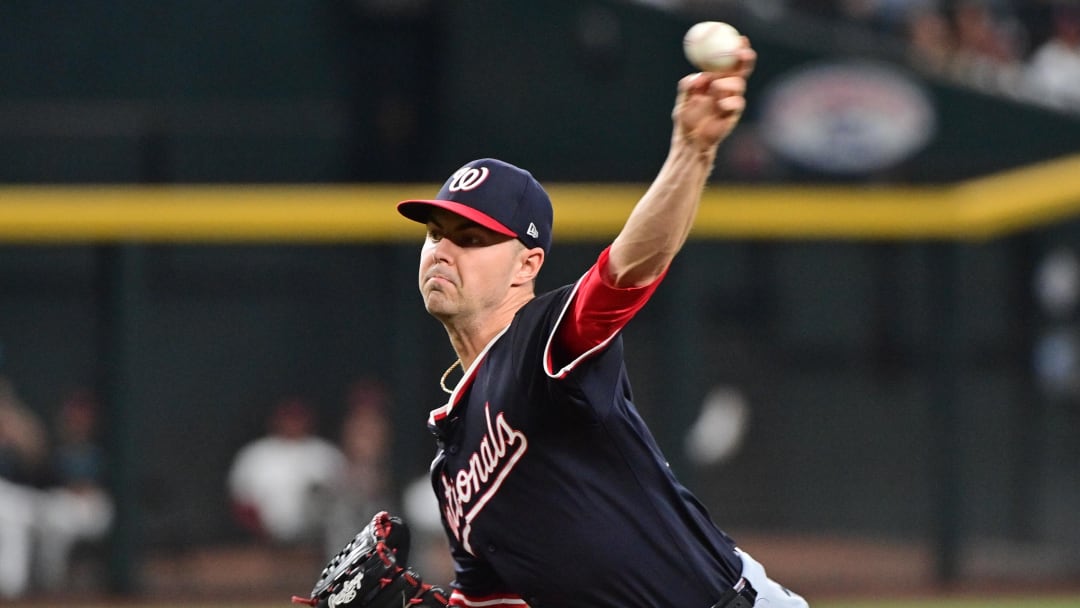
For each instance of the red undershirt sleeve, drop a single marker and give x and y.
(598, 311)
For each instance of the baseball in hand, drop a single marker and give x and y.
(711, 46)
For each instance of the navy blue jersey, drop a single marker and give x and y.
(553, 491)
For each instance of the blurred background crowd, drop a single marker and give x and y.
(53, 494)
(295, 491)
(1027, 48)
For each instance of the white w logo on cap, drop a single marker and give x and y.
(467, 178)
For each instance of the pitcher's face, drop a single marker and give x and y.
(465, 268)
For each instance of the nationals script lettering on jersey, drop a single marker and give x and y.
(472, 487)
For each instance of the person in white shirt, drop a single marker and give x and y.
(1053, 72)
(281, 485)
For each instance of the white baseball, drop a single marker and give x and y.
(711, 45)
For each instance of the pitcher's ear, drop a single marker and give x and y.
(531, 261)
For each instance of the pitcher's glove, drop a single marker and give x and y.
(371, 572)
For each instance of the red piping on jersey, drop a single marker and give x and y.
(457, 598)
(443, 411)
(598, 311)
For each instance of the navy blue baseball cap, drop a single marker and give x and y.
(496, 195)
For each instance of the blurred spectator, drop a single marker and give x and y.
(977, 42)
(77, 508)
(23, 450)
(431, 551)
(930, 40)
(23, 441)
(365, 441)
(983, 37)
(1053, 74)
(281, 484)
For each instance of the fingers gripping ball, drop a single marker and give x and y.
(371, 572)
(712, 46)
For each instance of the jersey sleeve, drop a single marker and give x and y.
(595, 314)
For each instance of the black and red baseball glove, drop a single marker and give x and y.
(372, 572)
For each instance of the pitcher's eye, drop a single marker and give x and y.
(471, 236)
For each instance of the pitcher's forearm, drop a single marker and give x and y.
(661, 221)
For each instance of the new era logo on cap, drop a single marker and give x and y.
(496, 195)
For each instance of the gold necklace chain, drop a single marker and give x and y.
(446, 374)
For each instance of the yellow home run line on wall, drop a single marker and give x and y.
(975, 209)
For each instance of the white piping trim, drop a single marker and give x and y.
(569, 367)
(444, 410)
